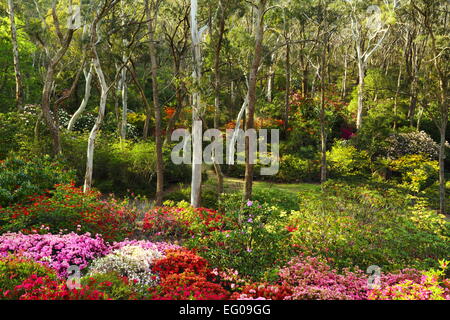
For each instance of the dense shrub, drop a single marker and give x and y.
(432, 285)
(14, 270)
(133, 262)
(148, 245)
(253, 239)
(181, 261)
(187, 286)
(20, 178)
(346, 160)
(417, 172)
(180, 221)
(411, 143)
(311, 279)
(16, 131)
(68, 209)
(46, 288)
(263, 291)
(362, 226)
(113, 285)
(293, 168)
(56, 251)
(124, 165)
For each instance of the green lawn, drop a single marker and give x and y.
(236, 184)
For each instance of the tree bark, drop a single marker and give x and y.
(323, 134)
(156, 105)
(217, 167)
(288, 86)
(50, 120)
(259, 36)
(15, 47)
(95, 129)
(87, 95)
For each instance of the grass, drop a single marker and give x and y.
(235, 184)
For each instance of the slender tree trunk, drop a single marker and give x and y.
(397, 92)
(50, 120)
(217, 167)
(18, 75)
(87, 95)
(344, 78)
(259, 36)
(323, 133)
(288, 86)
(196, 183)
(442, 181)
(123, 123)
(156, 105)
(270, 79)
(359, 115)
(98, 122)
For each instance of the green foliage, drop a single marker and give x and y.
(14, 270)
(253, 240)
(275, 197)
(359, 226)
(20, 178)
(346, 160)
(294, 169)
(121, 166)
(69, 209)
(417, 172)
(113, 285)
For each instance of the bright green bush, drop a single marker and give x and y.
(21, 178)
(417, 172)
(346, 160)
(293, 169)
(362, 226)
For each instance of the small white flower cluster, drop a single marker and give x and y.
(133, 262)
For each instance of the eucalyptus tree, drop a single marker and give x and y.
(369, 28)
(175, 29)
(197, 107)
(55, 50)
(152, 8)
(17, 70)
(95, 39)
(260, 7)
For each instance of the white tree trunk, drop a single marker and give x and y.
(196, 182)
(87, 95)
(98, 122)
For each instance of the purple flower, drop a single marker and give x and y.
(249, 203)
(250, 220)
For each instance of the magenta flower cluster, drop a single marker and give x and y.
(57, 251)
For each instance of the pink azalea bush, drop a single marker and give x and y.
(429, 285)
(55, 250)
(311, 279)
